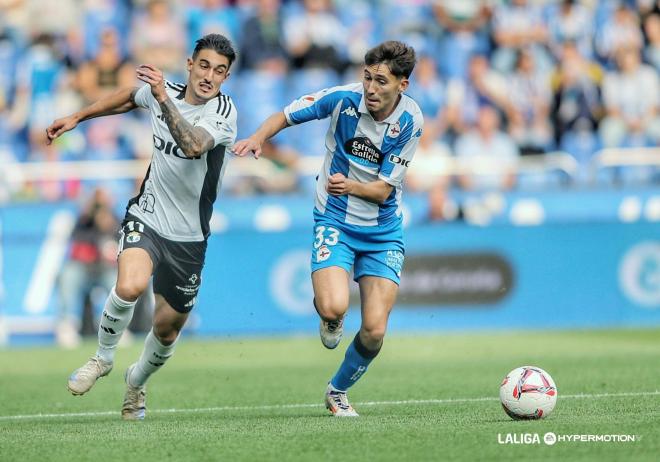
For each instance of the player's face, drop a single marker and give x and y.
(207, 72)
(382, 90)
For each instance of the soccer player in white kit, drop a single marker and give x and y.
(373, 134)
(166, 227)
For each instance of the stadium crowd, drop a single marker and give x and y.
(496, 79)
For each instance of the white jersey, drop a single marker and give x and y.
(177, 194)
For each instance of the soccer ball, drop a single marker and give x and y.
(528, 393)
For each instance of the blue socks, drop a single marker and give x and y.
(355, 364)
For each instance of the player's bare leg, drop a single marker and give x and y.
(158, 348)
(331, 302)
(378, 296)
(134, 271)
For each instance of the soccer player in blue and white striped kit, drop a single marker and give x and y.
(374, 131)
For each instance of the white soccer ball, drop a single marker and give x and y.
(528, 393)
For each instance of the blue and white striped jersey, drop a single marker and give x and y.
(362, 149)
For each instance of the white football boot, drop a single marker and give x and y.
(331, 332)
(84, 378)
(337, 402)
(135, 399)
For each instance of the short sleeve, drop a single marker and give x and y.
(396, 163)
(315, 106)
(219, 119)
(143, 96)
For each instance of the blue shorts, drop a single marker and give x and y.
(368, 250)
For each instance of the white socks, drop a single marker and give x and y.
(153, 357)
(116, 316)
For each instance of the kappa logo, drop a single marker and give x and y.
(350, 112)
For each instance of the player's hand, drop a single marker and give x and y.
(154, 77)
(246, 146)
(338, 185)
(60, 126)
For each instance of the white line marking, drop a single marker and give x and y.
(267, 407)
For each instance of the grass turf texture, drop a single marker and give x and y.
(228, 401)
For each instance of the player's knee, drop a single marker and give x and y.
(166, 334)
(129, 290)
(330, 308)
(373, 335)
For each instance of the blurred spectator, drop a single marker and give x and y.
(107, 71)
(276, 175)
(429, 91)
(363, 26)
(487, 156)
(652, 48)
(530, 95)
(517, 24)
(576, 106)
(431, 166)
(483, 86)
(158, 38)
(39, 74)
(55, 18)
(91, 266)
(262, 44)
(430, 172)
(620, 31)
(630, 95)
(315, 38)
(9, 55)
(101, 14)
(212, 16)
(464, 34)
(571, 21)
(410, 21)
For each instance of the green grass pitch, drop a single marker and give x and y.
(426, 397)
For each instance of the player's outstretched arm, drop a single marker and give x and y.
(374, 191)
(271, 127)
(118, 102)
(193, 141)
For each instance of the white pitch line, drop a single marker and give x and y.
(316, 405)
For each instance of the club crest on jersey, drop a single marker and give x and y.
(363, 150)
(133, 237)
(322, 254)
(193, 279)
(395, 130)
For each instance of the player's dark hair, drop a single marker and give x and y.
(398, 56)
(218, 43)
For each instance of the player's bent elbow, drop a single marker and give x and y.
(193, 152)
(384, 194)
